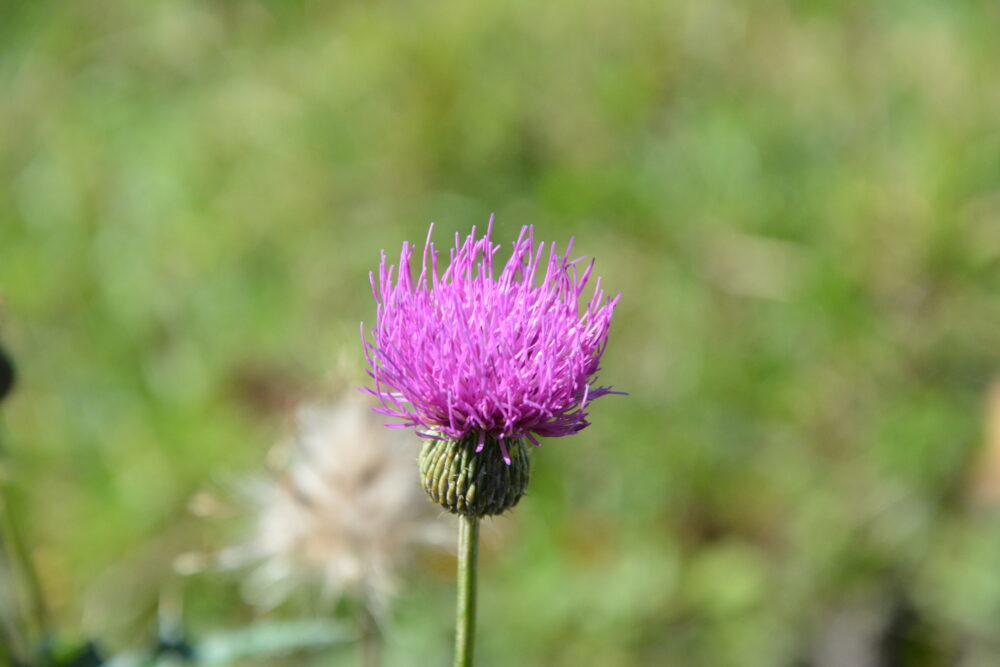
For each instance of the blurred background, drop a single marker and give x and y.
(800, 202)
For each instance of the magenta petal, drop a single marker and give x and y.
(509, 352)
(503, 450)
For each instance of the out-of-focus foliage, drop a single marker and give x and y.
(799, 200)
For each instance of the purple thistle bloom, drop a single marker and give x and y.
(467, 353)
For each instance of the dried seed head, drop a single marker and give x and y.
(339, 514)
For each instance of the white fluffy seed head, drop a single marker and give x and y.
(344, 510)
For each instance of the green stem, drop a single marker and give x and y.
(465, 618)
(14, 649)
(369, 639)
(25, 590)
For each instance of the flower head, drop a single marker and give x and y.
(469, 353)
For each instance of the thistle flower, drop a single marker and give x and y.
(467, 352)
(477, 363)
(474, 358)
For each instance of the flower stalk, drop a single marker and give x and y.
(465, 617)
(369, 640)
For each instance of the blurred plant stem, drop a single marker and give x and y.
(23, 617)
(369, 639)
(465, 620)
(13, 646)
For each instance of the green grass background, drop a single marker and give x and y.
(800, 202)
